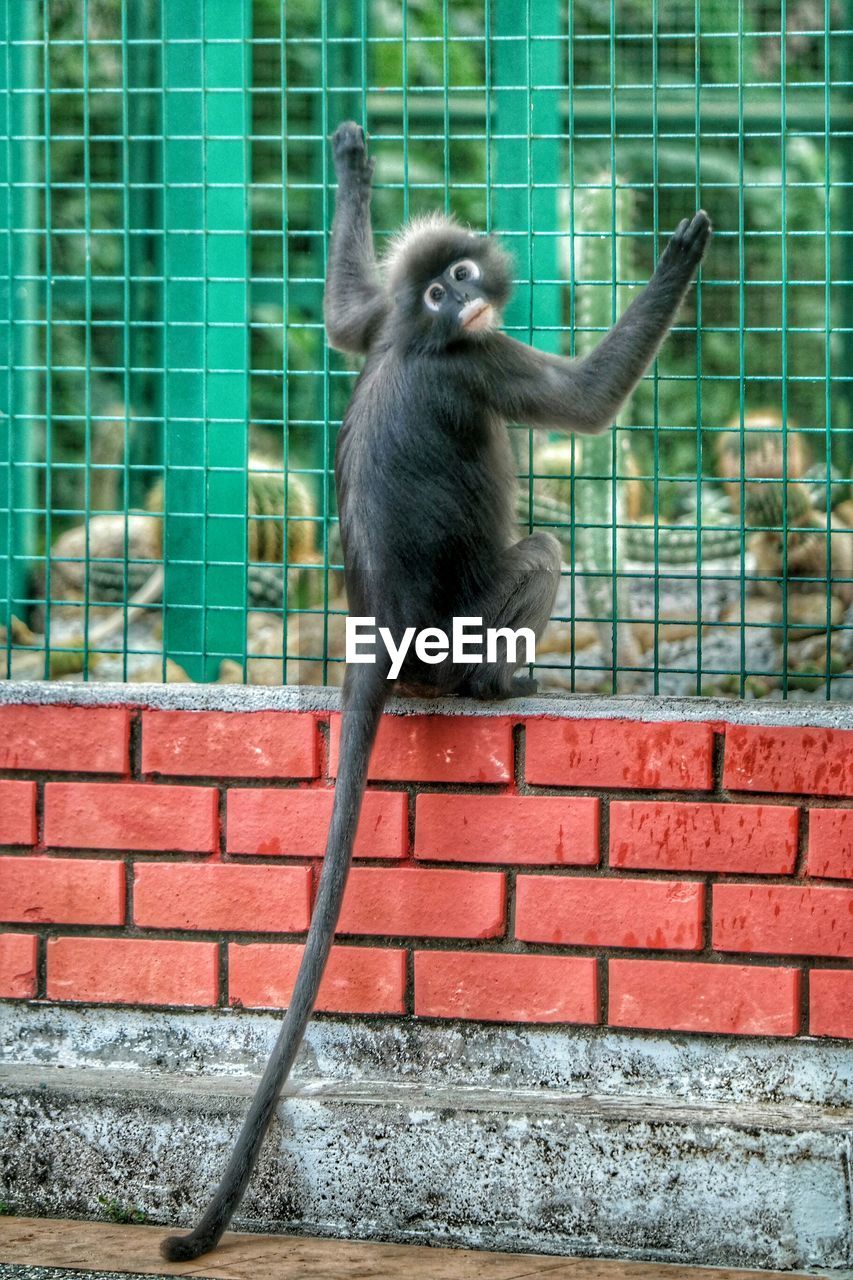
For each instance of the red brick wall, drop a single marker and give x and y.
(683, 877)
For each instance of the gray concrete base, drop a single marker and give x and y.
(702, 1150)
(575, 706)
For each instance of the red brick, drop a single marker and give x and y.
(731, 999)
(815, 762)
(505, 988)
(17, 813)
(595, 912)
(422, 903)
(793, 920)
(831, 843)
(756, 838)
(831, 1002)
(517, 829)
(180, 895)
(234, 744)
(18, 953)
(70, 739)
(131, 815)
(619, 753)
(296, 822)
(61, 891)
(437, 749)
(357, 979)
(132, 971)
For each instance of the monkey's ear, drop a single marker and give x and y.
(500, 266)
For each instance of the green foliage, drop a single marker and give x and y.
(115, 1211)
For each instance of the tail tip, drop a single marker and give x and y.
(181, 1248)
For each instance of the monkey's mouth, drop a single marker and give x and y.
(476, 316)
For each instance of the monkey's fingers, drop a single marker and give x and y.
(348, 136)
(698, 232)
(688, 244)
(350, 151)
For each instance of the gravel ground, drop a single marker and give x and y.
(16, 1272)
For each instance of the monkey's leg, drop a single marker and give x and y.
(522, 596)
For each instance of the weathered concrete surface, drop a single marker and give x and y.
(546, 1140)
(213, 697)
(526, 1170)
(577, 1060)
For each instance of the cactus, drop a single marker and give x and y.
(679, 541)
(594, 499)
(110, 578)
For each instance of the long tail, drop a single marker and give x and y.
(362, 711)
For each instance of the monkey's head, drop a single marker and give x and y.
(448, 285)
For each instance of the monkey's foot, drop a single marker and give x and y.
(688, 244)
(523, 687)
(495, 690)
(350, 151)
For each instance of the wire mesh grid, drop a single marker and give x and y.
(166, 492)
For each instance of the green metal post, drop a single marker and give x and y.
(145, 286)
(528, 111)
(19, 307)
(206, 182)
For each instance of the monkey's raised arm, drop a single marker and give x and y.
(354, 303)
(586, 395)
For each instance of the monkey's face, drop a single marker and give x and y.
(449, 285)
(458, 300)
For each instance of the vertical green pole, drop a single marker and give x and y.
(741, 276)
(19, 265)
(827, 306)
(142, 174)
(345, 59)
(527, 97)
(700, 460)
(285, 336)
(525, 74)
(783, 320)
(207, 68)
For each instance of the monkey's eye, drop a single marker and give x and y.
(433, 296)
(465, 270)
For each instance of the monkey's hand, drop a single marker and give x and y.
(352, 163)
(687, 247)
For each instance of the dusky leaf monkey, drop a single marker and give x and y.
(425, 483)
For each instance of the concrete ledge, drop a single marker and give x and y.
(725, 1070)
(533, 1139)
(551, 1172)
(212, 697)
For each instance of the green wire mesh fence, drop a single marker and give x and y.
(170, 406)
